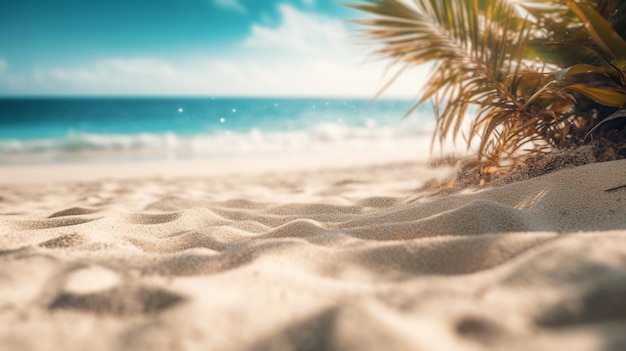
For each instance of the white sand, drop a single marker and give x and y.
(350, 259)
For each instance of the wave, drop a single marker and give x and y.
(320, 137)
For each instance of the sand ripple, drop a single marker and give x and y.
(344, 263)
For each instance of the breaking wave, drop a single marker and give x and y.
(320, 137)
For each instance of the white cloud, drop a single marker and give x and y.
(112, 76)
(306, 55)
(230, 5)
(301, 32)
(317, 53)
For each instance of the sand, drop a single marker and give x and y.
(356, 258)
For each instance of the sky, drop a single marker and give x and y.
(188, 48)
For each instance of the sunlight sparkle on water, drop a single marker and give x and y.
(234, 110)
(180, 109)
(222, 120)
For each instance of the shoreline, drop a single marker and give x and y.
(218, 167)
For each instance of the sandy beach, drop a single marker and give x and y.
(359, 256)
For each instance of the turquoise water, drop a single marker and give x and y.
(35, 130)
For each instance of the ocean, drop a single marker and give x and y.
(58, 130)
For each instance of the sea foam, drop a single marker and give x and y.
(320, 137)
(59, 130)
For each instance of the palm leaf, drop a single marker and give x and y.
(476, 46)
(602, 95)
(600, 30)
(545, 79)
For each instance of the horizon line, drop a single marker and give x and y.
(197, 96)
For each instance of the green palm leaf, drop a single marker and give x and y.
(600, 30)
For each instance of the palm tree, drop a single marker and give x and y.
(534, 76)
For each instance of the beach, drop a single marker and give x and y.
(303, 175)
(353, 254)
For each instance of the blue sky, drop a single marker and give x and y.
(185, 47)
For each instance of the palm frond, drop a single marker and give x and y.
(476, 47)
(535, 74)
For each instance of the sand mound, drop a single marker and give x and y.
(345, 259)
